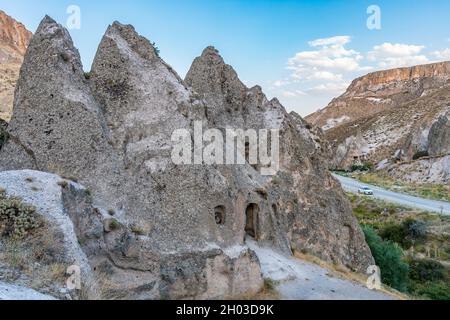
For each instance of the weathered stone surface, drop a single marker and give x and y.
(74, 229)
(57, 125)
(306, 205)
(117, 142)
(439, 136)
(111, 131)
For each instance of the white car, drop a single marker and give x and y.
(366, 191)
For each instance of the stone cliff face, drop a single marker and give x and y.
(13, 35)
(307, 203)
(391, 117)
(14, 39)
(380, 91)
(182, 228)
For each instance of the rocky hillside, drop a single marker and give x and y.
(14, 39)
(380, 91)
(395, 120)
(146, 227)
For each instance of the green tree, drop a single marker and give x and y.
(388, 257)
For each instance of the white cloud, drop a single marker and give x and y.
(395, 55)
(292, 94)
(338, 40)
(328, 62)
(324, 75)
(280, 83)
(443, 54)
(329, 88)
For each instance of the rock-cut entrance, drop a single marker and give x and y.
(251, 221)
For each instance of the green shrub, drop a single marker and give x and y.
(395, 233)
(433, 290)
(137, 230)
(406, 234)
(420, 154)
(157, 51)
(17, 219)
(114, 224)
(388, 257)
(415, 229)
(88, 75)
(361, 167)
(426, 270)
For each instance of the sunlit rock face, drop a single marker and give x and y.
(14, 39)
(171, 230)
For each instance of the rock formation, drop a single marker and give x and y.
(381, 91)
(392, 118)
(172, 231)
(14, 39)
(307, 203)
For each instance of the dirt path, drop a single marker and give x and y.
(300, 280)
(13, 292)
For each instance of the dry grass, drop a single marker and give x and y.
(268, 292)
(36, 257)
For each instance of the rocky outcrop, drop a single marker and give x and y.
(403, 134)
(73, 229)
(309, 210)
(390, 118)
(14, 39)
(380, 91)
(14, 36)
(435, 170)
(171, 230)
(439, 136)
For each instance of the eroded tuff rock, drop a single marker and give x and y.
(172, 231)
(117, 142)
(308, 208)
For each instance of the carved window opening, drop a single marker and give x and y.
(219, 215)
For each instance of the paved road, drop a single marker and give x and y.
(353, 185)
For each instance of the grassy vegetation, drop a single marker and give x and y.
(268, 292)
(389, 258)
(412, 248)
(29, 247)
(17, 219)
(427, 191)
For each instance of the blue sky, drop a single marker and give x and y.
(303, 52)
